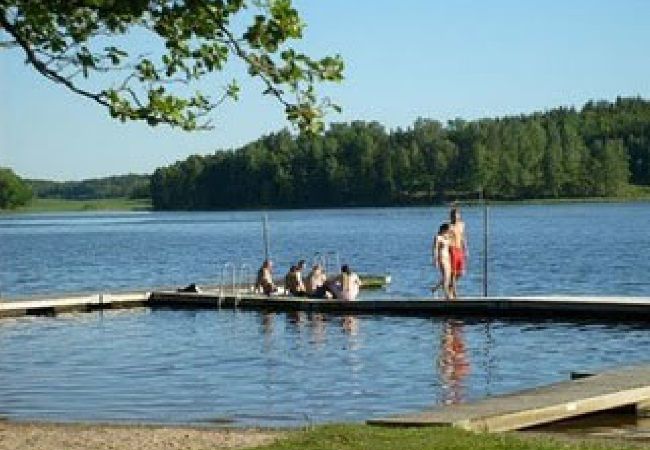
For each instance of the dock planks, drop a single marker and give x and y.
(72, 303)
(524, 409)
(587, 307)
(605, 309)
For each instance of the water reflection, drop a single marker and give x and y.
(350, 325)
(268, 319)
(297, 320)
(268, 326)
(318, 323)
(453, 363)
(276, 369)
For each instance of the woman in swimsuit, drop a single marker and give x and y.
(442, 260)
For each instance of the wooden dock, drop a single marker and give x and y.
(587, 307)
(614, 389)
(635, 309)
(72, 303)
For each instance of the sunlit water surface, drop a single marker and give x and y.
(248, 368)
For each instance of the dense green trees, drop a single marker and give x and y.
(13, 191)
(596, 151)
(129, 186)
(143, 59)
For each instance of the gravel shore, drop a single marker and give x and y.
(33, 436)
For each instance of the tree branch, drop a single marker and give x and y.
(44, 70)
(235, 46)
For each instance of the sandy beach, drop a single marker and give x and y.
(32, 436)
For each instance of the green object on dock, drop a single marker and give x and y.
(370, 281)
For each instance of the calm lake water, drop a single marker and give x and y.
(289, 369)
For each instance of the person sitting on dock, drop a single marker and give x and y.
(346, 285)
(264, 282)
(315, 282)
(293, 282)
(299, 268)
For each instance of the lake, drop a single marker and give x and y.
(251, 368)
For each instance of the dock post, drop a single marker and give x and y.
(265, 236)
(485, 242)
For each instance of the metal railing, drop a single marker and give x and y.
(234, 280)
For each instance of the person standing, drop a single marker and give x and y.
(458, 249)
(442, 259)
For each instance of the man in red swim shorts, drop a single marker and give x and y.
(457, 248)
(457, 261)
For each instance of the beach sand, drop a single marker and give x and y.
(50, 436)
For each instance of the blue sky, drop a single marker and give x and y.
(404, 60)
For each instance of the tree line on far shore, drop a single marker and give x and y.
(597, 151)
(120, 186)
(14, 192)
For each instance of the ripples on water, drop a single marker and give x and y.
(575, 249)
(284, 369)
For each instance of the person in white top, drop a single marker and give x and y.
(315, 282)
(442, 260)
(346, 285)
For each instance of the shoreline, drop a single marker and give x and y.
(54, 205)
(122, 205)
(102, 436)
(16, 435)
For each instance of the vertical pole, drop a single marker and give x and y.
(486, 232)
(265, 236)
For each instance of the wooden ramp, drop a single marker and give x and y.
(601, 392)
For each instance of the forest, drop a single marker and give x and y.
(596, 151)
(120, 186)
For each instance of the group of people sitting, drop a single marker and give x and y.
(344, 286)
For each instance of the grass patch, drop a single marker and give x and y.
(106, 204)
(628, 193)
(363, 437)
(637, 191)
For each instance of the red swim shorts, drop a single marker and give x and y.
(457, 261)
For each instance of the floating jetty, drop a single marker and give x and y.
(616, 389)
(72, 303)
(539, 307)
(631, 308)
